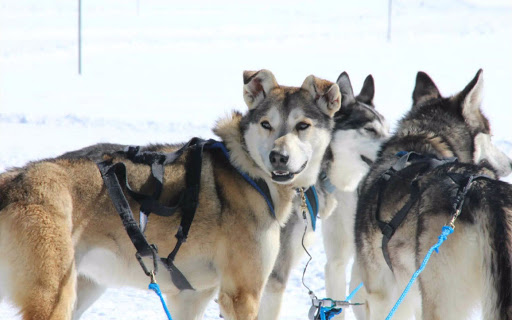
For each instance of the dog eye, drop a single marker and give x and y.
(266, 125)
(302, 126)
(371, 130)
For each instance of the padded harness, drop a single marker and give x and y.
(427, 163)
(115, 179)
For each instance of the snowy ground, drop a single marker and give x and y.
(163, 71)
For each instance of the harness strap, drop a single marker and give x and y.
(191, 195)
(109, 173)
(388, 228)
(188, 200)
(114, 175)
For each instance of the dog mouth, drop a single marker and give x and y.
(283, 176)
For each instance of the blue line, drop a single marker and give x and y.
(353, 293)
(155, 287)
(444, 235)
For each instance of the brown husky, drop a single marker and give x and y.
(61, 237)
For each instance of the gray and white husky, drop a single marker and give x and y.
(474, 265)
(358, 133)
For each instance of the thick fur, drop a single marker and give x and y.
(473, 266)
(61, 237)
(359, 131)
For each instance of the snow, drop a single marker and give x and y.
(164, 71)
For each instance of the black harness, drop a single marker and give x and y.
(115, 179)
(426, 163)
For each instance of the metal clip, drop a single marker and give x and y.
(461, 195)
(303, 204)
(152, 276)
(454, 217)
(153, 272)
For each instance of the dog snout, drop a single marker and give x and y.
(278, 159)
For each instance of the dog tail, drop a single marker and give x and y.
(496, 221)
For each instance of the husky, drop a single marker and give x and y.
(62, 240)
(451, 143)
(357, 135)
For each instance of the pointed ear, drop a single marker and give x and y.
(470, 100)
(425, 89)
(485, 150)
(325, 93)
(257, 85)
(345, 89)
(367, 92)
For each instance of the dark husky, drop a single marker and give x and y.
(473, 266)
(62, 241)
(357, 135)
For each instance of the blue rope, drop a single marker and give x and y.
(353, 293)
(447, 230)
(155, 287)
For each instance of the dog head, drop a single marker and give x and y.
(459, 121)
(358, 134)
(287, 129)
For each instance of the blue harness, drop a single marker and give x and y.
(260, 185)
(312, 203)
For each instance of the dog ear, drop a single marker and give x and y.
(425, 89)
(485, 150)
(345, 89)
(325, 93)
(257, 85)
(367, 92)
(470, 100)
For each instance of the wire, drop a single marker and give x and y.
(310, 292)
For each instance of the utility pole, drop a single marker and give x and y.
(80, 37)
(389, 20)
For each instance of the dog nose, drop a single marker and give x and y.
(278, 159)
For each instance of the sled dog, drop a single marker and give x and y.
(62, 240)
(357, 135)
(453, 169)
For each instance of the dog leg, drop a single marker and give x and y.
(338, 237)
(270, 305)
(361, 295)
(452, 282)
(337, 233)
(88, 291)
(290, 251)
(382, 291)
(188, 304)
(240, 305)
(244, 268)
